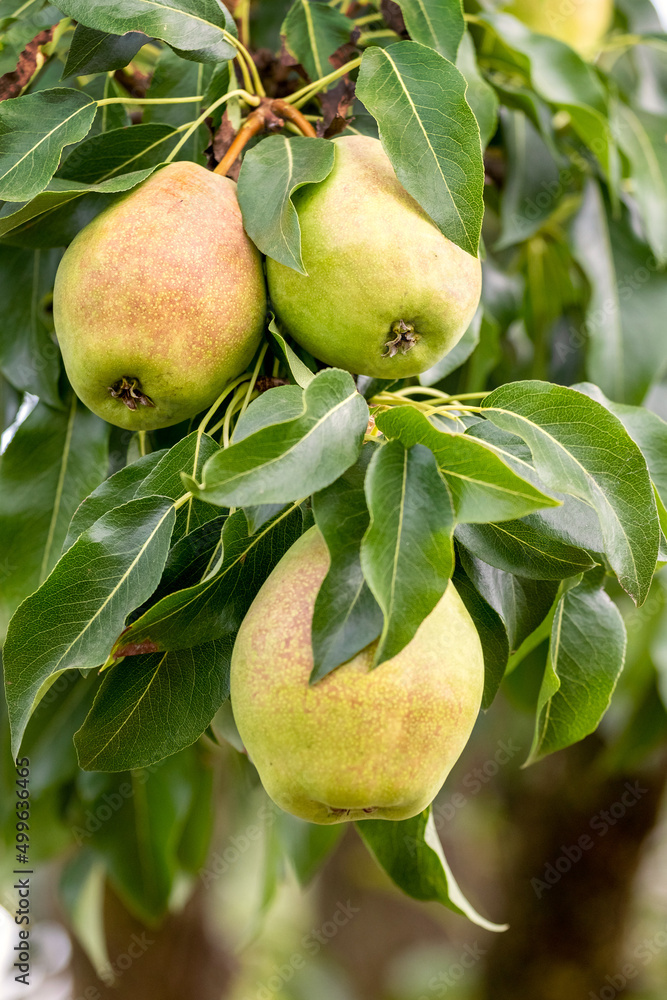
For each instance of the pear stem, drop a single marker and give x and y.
(300, 97)
(253, 125)
(285, 110)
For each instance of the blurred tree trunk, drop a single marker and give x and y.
(578, 839)
(181, 960)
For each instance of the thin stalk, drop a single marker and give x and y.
(299, 97)
(225, 392)
(368, 37)
(367, 19)
(248, 98)
(253, 378)
(240, 47)
(148, 100)
(422, 390)
(245, 72)
(621, 42)
(244, 18)
(182, 500)
(142, 443)
(227, 422)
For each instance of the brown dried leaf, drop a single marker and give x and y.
(345, 52)
(393, 16)
(11, 84)
(136, 649)
(221, 141)
(335, 104)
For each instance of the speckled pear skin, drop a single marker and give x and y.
(163, 286)
(373, 258)
(581, 24)
(360, 743)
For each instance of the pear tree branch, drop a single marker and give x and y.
(268, 114)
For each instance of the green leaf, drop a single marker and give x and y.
(33, 131)
(73, 619)
(190, 559)
(283, 402)
(492, 634)
(624, 327)
(215, 607)
(647, 430)
(521, 548)
(574, 523)
(55, 459)
(436, 23)
(93, 51)
(533, 186)
(483, 487)
(411, 854)
(346, 617)
(29, 358)
(300, 372)
(149, 707)
(139, 841)
(561, 77)
(521, 604)
(580, 448)
(641, 136)
(312, 32)
(10, 10)
(117, 151)
(407, 553)
(175, 77)
(429, 133)
(113, 492)
(481, 97)
(307, 845)
(194, 28)
(187, 455)
(270, 174)
(292, 459)
(586, 657)
(58, 194)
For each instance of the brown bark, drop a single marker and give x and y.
(181, 960)
(569, 878)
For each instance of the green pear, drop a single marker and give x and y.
(581, 24)
(386, 294)
(160, 300)
(360, 743)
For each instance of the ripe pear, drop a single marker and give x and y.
(360, 743)
(160, 300)
(581, 24)
(386, 294)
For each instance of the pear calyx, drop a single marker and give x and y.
(405, 338)
(128, 390)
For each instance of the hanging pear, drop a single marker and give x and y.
(361, 743)
(387, 294)
(160, 300)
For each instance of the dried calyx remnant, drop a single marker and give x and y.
(129, 391)
(404, 339)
